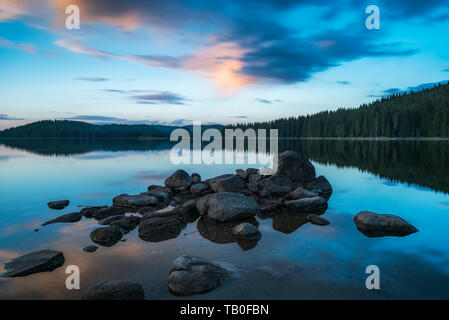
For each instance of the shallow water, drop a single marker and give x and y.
(293, 260)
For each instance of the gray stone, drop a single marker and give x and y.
(246, 231)
(34, 262)
(90, 249)
(199, 188)
(108, 212)
(107, 236)
(295, 166)
(379, 225)
(276, 185)
(69, 217)
(251, 171)
(88, 212)
(115, 290)
(315, 219)
(160, 228)
(191, 275)
(300, 193)
(226, 206)
(135, 201)
(321, 186)
(317, 204)
(108, 220)
(231, 183)
(180, 180)
(126, 224)
(242, 174)
(196, 178)
(58, 205)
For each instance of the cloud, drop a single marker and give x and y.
(240, 117)
(95, 118)
(25, 47)
(6, 117)
(115, 90)
(343, 82)
(92, 79)
(422, 86)
(267, 101)
(163, 97)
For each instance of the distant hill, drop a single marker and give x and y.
(79, 129)
(423, 113)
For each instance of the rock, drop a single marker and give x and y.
(191, 275)
(276, 185)
(287, 222)
(108, 212)
(115, 290)
(157, 228)
(196, 178)
(295, 166)
(88, 212)
(108, 220)
(315, 219)
(321, 186)
(34, 262)
(231, 183)
(58, 205)
(379, 225)
(126, 224)
(69, 217)
(107, 236)
(251, 171)
(315, 204)
(300, 193)
(199, 188)
(180, 180)
(253, 182)
(145, 210)
(162, 196)
(220, 232)
(242, 174)
(246, 231)
(135, 201)
(226, 206)
(90, 249)
(153, 187)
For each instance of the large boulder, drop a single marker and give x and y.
(126, 224)
(135, 201)
(276, 185)
(295, 166)
(231, 183)
(115, 290)
(160, 228)
(69, 217)
(315, 204)
(321, 186)
(107, 236)
(246, 231)
(379, 225)
(300, 193)
(226, 206)
(180, 180)
(191, 275)
(58, 205)
(108, 212)
(39, 261)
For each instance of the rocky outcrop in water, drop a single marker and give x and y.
(69, 217)
(115, 290)
(107, 236)
(58, 205)
(34, 262)
(246, 231)
(380, 225)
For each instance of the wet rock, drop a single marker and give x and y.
(295, 166)
(115, 290)
(88, 212)
(69, 217)
(160, 228)
(191, 275)
(379, 225)
(199, 188)
(108, 212)
(108, 220)
(300, 193)
(90, 249)
(126, 224)
(226, 206)
(146, 210)
(242, 174)
(287, 222)
(58, 205)
(153, 187)
(321, 186)
(246, 231)
(180, 180)
(107, 236)
(220, 232)
(315, 204)
(135, 201)
(196, 178)
(315, 219)
(231, 183)
(276, 185)
(251, 171)
(34, 262)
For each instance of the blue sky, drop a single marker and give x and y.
(172, 62)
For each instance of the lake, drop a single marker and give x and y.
(293, 259)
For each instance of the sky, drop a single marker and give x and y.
(225, 61)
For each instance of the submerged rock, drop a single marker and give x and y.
(226, 206)
(58, 205)
(107, 236)
(180, 180)
(295, 166)
(88, 212)
(315, 219)
(315, 204)
(191, 275)
(90, 249)
(232, 183)
(379, 225)
(115, 290)
(69, 217)
(300, 193)
(246, 231)
(321, 186)
(108, 212)
(39, 261)
(220, 232)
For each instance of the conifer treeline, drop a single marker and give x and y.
(414, 114)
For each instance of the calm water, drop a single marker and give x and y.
(292, 260)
